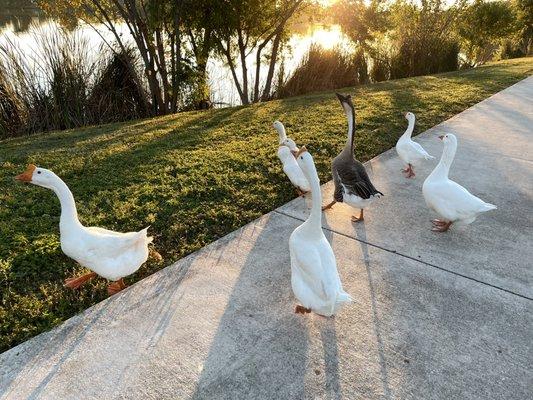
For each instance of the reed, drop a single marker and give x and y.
(62, 84)
(324, 69)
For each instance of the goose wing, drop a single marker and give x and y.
(110, 244)
(417, 151)
(354, 178)
(455, 202)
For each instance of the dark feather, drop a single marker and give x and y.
(352, 174)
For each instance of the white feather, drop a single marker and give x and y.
(411, 152)
(314, 277)
(451, 201)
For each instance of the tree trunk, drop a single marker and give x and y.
(242, 50)
(272, 66)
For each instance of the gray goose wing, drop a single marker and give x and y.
(354, 178)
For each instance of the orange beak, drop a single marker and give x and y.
(302, 150)
(441, 137)
(405, 115)
(26, 175)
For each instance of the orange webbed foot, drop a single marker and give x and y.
(358, 219)
(115, 287)
(74, 283)
(301, 310)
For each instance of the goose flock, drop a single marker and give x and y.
(314, 277)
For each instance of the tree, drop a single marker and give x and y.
(157, 29)
(246, 26)
(482, 27)
(359, 21)
(524, 21)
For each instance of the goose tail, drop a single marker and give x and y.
(488, 207)
(343, 297)
(144, 238)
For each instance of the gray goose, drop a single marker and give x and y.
(352, 184)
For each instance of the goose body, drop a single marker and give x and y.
(286, 152)
(352, 184)
(314, 277)
(451, 201)
(410, 152)
(112, 255)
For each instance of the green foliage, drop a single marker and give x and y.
(483, 26)
(193, 177)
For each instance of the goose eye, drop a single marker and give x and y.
(38, 172)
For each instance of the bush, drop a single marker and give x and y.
(116, 94)
(323, 69)
(61, 87)
(424, 55)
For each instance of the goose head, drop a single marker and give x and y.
(449, 140)
(38, 176)
(346, 102)
(291, 145)
(306, 163)
(409, 116)
(281, 131)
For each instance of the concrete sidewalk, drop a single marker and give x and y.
(435, 316)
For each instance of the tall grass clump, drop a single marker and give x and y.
(324, 69)
(117, 93)
(63, 84)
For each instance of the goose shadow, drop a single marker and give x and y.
(361, 240)
(260, 346)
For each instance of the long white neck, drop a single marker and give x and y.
(281, 132)
(350, 115)
(443, 167)
(313, 224)
(69, 214)
(409, 131)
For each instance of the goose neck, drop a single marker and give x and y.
(350, 115)
(443, 167)
(313, 223)
(69, 214)
(409, 131)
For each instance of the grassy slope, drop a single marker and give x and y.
(193, 177)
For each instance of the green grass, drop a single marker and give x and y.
(193, 177)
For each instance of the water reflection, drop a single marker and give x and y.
(18, 15)
(22, 24)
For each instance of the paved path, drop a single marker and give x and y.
(435, 316)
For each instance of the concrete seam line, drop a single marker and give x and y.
(415, 259)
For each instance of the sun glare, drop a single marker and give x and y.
(327, 37)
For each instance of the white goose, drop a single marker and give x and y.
(410, 152)
(110, 254)
(286, 152)
(449, 199)
(314, 277)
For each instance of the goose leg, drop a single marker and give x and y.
(116, 287)
(409, 171)
(153, 253)
(361, 217)
(328, 206)
(301, 310)
(75, 283)
(441, 226)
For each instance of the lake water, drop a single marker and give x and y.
(22, 23)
